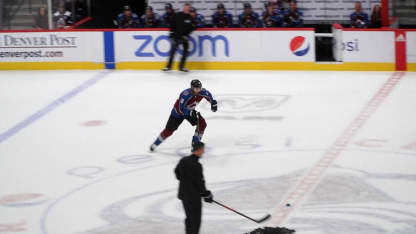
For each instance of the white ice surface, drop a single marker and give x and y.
(77, 169)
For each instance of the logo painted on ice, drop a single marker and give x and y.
(245, 103)
(299, 46)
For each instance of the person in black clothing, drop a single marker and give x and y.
(181, 26)
(192, 188)
(376, 18)
(41, 20)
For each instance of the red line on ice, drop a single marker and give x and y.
(306, 185)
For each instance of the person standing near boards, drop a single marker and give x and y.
(192, 187)
(181, 27)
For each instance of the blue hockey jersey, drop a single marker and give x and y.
(150, 22)
(249, 20)
(199, 21)
(132, 21)
(167, 19)
(359, 20)
(187, 101)
(272, 20)
(293, 18)
(222, 20)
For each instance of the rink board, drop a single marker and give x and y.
(361, 46)
(218, 46)
(234, 49)
(51, 50)
(304, 66)
(229, 50)
(411, 50)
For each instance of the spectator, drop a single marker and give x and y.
(128, 19)
(198, 19)
(249, 18)
(279, 5)
(80, 10)
(67, 3)
(167, 17)
(150, 19)
(359, 19)
(284, 4)
(41, 20)
(293, 17)
(376, 18)
(221, 18)
(62, 17)
(271, 17)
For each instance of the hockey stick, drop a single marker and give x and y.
(266, 217)
(197, 123)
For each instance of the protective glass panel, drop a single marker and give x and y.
(34, 14)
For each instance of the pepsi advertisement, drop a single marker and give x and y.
(219, 46)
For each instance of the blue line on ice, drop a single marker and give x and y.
(52, 106)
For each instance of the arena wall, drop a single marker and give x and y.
(411, 50)
(51, 50)
(231, 49)
(213, 49)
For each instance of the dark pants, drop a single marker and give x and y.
(193, 211)
(174, 122)
(176, 41)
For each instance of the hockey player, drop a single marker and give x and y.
(150, 19)
(128, 19)
(293, 16)
(62, 17)
(249, 18)
(221, 18)
(192, 188)
(167, 17)
(358, 18)
(184, 108)
(271, 17)
(199, 20)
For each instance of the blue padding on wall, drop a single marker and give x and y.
(109, 57)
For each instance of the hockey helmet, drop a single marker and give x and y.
(196, 84)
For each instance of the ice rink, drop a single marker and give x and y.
(340, 147)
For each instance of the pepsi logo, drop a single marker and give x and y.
(299, 46)
(22, 199)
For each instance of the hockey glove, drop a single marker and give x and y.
(214, 106)
(208, 197)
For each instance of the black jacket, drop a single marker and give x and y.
(182, 24)
(192, 183)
